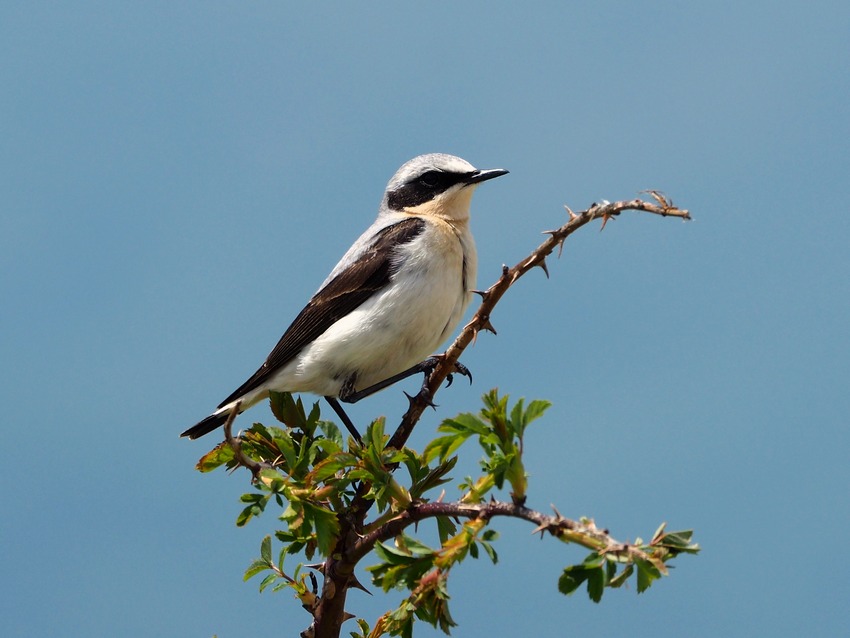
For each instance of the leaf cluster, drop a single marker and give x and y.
(300, 465)
(612, 569)
(318, 481)
(500, 433)
(411, 564)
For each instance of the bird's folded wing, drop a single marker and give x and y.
(365, 276)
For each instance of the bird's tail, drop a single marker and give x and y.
(212, 422)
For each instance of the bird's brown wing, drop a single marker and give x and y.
(344, 293)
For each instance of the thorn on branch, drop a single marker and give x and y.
(423, 395)
(556, 234)
(605, 218)
(356, 584)
(561, 247)
(486, 325)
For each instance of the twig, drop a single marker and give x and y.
(235, 444)
(584, 533)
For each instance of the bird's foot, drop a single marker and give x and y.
(429, 364)
(427, 367)
(461, 370)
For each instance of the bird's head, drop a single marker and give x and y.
(436, 184)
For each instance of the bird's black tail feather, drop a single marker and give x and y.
(206, 426)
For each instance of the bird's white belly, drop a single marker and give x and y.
(389, 333)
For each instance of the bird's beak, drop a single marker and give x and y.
(482, 176)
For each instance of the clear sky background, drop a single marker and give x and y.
(178, 178)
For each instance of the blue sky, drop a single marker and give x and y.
(178, 178)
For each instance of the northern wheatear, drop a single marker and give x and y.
(393, 298)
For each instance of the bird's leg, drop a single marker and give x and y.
(427, 366)
(344, 418)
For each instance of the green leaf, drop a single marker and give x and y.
(401, 566)
(271, 480)
(433, 478)
(490, 552)
(414, 547)
(622, 577)
(443, 447)
(571, 579)
(286, 446)
(326, 525)
(466, 424)
(458, 430)
(323, 447)
(331, 465)
(268, 580)
(280, 557)
(256, 507)
(446, 528)
(610, 571)
(255, 568)
(390, 554)
(222, 454)
(313, 419)
(266, 550)
(414, 465)
(245, 515)
(332, 432)
(364, 629)
(646, 574)
(677, 542)
(573, 576)
(535, 410)
(596, 584)
(375, 435)
(492, 402)
(287, 410)
(516, 420)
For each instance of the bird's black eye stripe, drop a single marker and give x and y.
(423, 188)
(431, 179)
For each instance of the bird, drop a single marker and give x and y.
(395, 296)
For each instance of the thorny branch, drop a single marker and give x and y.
(354, 542)
(584, 533)
(490, 297)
